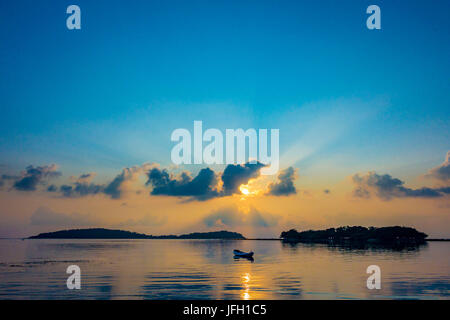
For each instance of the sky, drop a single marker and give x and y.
(87, 115)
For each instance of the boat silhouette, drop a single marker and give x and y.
(241, 254)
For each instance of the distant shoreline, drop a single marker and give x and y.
(279, 239)
(101, 233)
(343, 235)
(246, 239)
(253, 239)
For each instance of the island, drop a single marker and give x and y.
(357, 234)
(101, 233)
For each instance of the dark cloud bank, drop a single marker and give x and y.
(387, 187)
(204, 185)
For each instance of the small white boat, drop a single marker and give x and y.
(240, 253)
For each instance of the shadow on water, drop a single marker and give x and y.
(353, 247)
(243, 258)
(438, 287)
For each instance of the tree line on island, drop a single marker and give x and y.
(355, 234)
(101, 233)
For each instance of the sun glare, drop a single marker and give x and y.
(246, 286)
(244, 190)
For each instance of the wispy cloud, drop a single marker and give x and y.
(442, 172)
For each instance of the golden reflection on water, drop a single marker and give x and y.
(246, 286)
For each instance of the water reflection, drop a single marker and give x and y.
(207, 269)
(246, 286)
(358, 246)
(251, 259)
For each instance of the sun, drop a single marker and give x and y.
(244, 190)
(251, 189)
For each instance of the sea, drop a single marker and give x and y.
(207, 269)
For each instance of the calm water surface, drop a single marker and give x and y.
(205, 269)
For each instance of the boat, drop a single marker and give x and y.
(239, 253)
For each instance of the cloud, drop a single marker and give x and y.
(82, 185)
(285, 185)
(86, 177)
(5, 177)
(235, 175)
(445, 190)
(46, 217)
(442, 172)
(121, 183)
(202, 187)
(232, 217)
(80, 189)
(31, 177)
(387, 187)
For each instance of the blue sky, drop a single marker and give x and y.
(109, 95)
